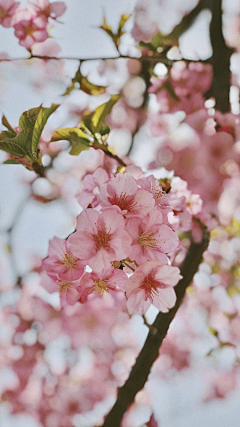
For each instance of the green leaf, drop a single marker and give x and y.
(39, 125)
(95, 120)
(65, 134)
(105, 130)
(90, 88)
(107, 28)
(115, 36)
(17, 146)
(11, 162)
(122, 22)
(23, 160)
(8, 126)
(77, 137)
(85, 85)
(78, 144)
(6, 134)
(28, 118)
(25, 143)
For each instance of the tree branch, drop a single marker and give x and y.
(220, 60)
(157, 333)
(151, 58)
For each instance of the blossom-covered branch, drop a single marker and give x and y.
(157, 333)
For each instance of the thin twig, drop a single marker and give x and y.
(152, 58)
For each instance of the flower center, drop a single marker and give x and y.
(64, 286)
(3, 12)
(69, 260)
(29, 31)
(123, 201)
(101, 286)
(150, 287)
(147, 240)
(101, 240)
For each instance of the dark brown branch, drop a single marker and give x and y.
(151, 58)
(157, 333)
(220, 60)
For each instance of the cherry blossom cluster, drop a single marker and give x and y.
(198, 143)
(30, 24)
(124, 242)
(51, 382)
(189, 83)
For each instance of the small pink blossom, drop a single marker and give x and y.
(47, 48)
(8, 8)
(152, 283)
(46, 10)
(151, 184)
(61, 264)
(30, 30)
(91, 186)
(111, 280)
(67, 289)
(122, 191)
(183, 200)
(151, 239)
(100, 238)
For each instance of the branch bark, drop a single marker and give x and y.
(157, 333)
(220, 60)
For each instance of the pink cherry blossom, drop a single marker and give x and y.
(151, 184)
(61, 264)
(152, 283)
(184, 202)
(91, 186)
(122, 191)
(67, 289)
(30, 30)
(111, 280)
(8, 8)
(151, 239)
(46, 10)
(47, 48)
(100, 238)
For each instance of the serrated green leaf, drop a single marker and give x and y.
(11, 162)
(8, 126)
(78, 144)
(65, 134)
(24, 145)
(39, 125)
(6, 134)
(95, 120)
(28, 118)
(19, 145)
(78, 139)
(23, 160)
